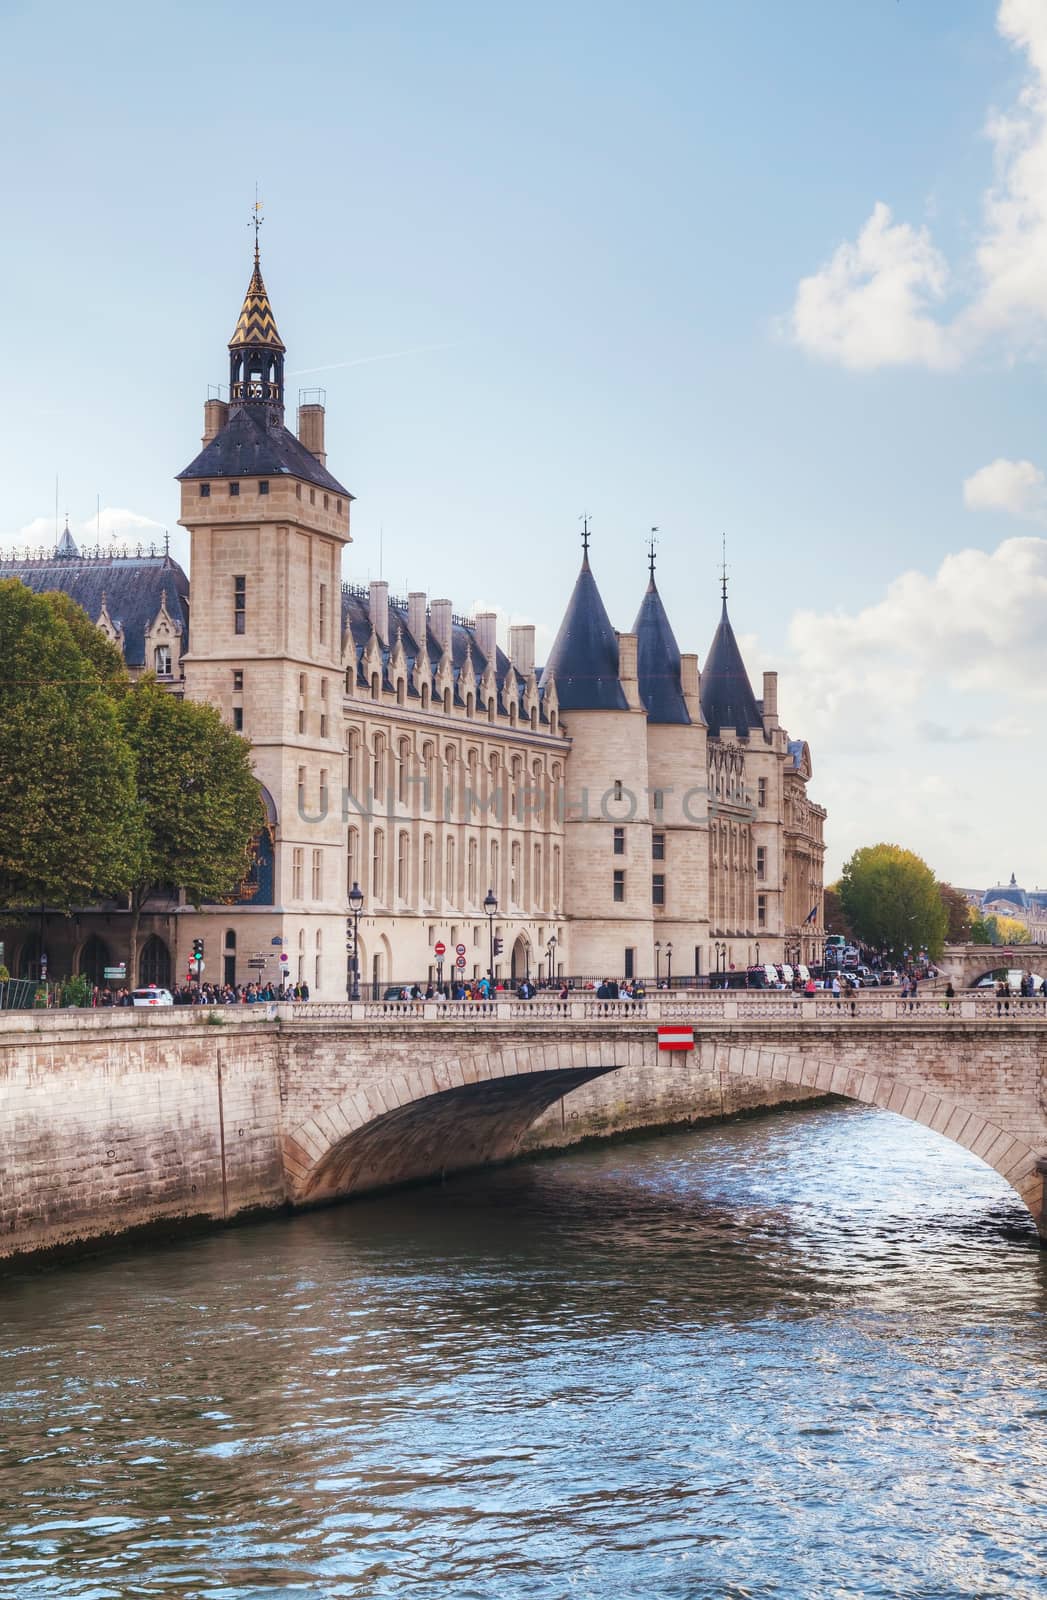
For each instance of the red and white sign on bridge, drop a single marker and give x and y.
(675, 1038)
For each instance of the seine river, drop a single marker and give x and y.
(802, 1356)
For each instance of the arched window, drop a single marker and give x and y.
(352, 864)
(401, 690)
(379, 766)
(154, 963)
(450, 887)
(473, 858)
(469, 704)
(447, 702)
(427, 868)
(403, 865)
(376, 686)
(429, 795)
(494, 865)
(556, 885)
(536, 885)
(404, 771)
(94, 958)
(352, 753)
(514, 873)
(377, 863)
(230, 938)
(425, 697)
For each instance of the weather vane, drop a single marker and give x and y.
(652, 540)
(256, 220)
(723, 570)
(584, 520)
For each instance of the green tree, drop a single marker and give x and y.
(100, 652)
(985, 931)
(890, 898)
(835, 921)
(70, 822)
(200, 803)
(957, 914)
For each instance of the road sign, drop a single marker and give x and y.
(676, 1038)
(460, 961)
(115, 972)
(276, 939)
(257, 962)
(284, 956)
(459, 950)
(439, 948)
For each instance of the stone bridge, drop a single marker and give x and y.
(121, 1119)
(964, 964)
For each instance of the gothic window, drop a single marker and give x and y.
(377, 863)
(163, 661)
(427, 868)
(239, 604)
(403, 861)
(352, 866)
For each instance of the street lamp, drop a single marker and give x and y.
(657, 962)
(669, 963)
(491, 906)
(551, 949)
(356, 905)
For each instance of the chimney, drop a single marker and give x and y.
(486, 631)
(378, 606)
(691, 684)
(216, 415)
(521, 648)
(440, 622)
(770, 699)
(416, 616)
(311, 430)
(627, 669)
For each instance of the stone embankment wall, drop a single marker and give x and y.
(115, 1121)
(122, 1120)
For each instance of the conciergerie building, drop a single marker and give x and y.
(631, 815)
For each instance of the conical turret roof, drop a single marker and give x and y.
(584, 658)
(256, 325)
(727, 697)
(66, 547)
(658, 661)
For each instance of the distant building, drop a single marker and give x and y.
(631, 815)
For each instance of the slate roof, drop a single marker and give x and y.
(1009, 893)
(253, 444)
(356, 624)
(727, 697)
(658, 661)
(584, 656)
(133, 588)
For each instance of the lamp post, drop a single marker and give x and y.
(669, 963)
(551, 949)
(491, 906)
(356, 905)
(657, 962)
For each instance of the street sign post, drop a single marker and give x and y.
(115, 972)
(459, 950)
(439, 948)
(460, 961)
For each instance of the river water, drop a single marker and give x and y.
(802, 1356)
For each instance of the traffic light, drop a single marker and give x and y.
(498, 945)
(198, 949)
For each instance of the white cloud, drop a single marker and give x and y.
(899, 697)
(868, 306)
(873, 303)
(1015, 486)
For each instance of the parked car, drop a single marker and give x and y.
(152, 996)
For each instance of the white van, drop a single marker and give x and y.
(152, 997)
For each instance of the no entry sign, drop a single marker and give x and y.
(673, 1038)
(439, 948)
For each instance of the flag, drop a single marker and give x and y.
(811, 915)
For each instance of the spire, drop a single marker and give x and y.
(727, 697)
(658, 656)
(256, 351)
(66, 548)
(584, 656)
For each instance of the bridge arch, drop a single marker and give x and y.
(458, 1107)
(1011, 1156)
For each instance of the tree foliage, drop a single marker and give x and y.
(200, 803)
(957, 914)
(835, 921)
(70, 823)
(890, 898)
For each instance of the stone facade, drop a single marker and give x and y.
(632, 815)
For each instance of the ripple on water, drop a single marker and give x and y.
(796, 1357)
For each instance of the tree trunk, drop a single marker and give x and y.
(132, 942)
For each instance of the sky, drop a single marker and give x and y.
(775, 272)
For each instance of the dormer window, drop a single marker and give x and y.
(163, 661)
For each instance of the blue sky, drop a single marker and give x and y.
(582, 256)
